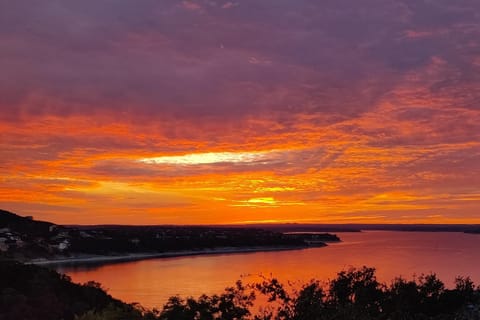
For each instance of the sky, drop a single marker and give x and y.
(244, 111)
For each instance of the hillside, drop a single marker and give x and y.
(34, 293)
(24, 239)
(20, 224)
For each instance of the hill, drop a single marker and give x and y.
(24, 239)
(16, 223)
(30, 292)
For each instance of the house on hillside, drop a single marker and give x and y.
(3, 245)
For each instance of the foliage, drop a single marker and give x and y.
(234, 303)
(30, 292)
(353, 294)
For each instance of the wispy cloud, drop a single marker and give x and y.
(306, 111)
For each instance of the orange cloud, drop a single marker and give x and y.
(227, 116)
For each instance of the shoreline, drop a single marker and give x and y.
(87, 259)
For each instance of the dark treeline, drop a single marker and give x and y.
(24, 239)
(121, 239)
(349, 227)
(30, 292)
(353, 294)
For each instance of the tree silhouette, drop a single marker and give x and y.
(30, 292)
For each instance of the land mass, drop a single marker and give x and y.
(308, 227)
(28, 240)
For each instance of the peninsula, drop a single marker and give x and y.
(25, 239)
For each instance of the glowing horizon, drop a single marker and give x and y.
(208, 158)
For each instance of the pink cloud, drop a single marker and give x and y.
(190, 5)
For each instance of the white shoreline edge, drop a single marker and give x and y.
(171, 254)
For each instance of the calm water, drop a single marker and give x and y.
(151, 282)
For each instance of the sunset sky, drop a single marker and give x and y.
(196, 112)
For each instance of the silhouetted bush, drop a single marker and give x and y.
(352, 294)
(29, 292)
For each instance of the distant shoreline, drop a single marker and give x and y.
(144, 256)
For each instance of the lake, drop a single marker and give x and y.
(151, 282)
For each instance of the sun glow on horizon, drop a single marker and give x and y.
(209, 158)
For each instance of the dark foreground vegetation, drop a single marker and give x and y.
(31, 292)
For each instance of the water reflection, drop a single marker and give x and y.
(151, 282)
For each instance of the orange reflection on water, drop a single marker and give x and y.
(151, 282)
